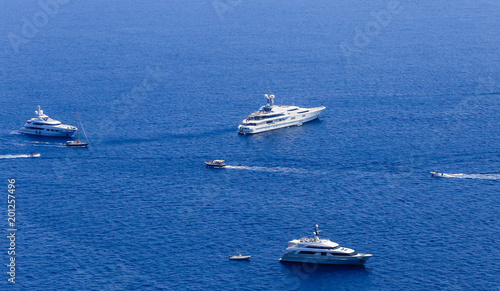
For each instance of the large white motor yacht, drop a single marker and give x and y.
(272, 116)
(46, 126)
(322, 251)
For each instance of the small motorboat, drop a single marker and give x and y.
(239, 257)
(217, 164)
(35, 155)
(437, 174)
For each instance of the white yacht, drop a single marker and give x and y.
(272, 116)
(322, 251)
(46, 126)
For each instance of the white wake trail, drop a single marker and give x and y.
(265, 169)
(14, 156)
(472, 176)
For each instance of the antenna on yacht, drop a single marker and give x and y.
(316, 232)
(270, 99)
(39, 111)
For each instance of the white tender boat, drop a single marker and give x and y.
(215, 164)
(35, 155)
(239, 257)
(437, 174)
(46, 126)
(322, 251)
(270, 117)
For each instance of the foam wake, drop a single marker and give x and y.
(14, 156)
(473, 176)
(266, 169)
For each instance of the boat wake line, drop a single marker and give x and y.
(272, 170)
(472, 176)
(14, 156)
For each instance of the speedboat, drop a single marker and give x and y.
(239, 257)
(270, 117)
(437, 174)
(217, 164)
(46, 126)
(34, 155)
(322, 251)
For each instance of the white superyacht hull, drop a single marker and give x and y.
(358, 260)
(55, 132)
(289, 121)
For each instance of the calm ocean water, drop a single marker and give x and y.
(161, 86)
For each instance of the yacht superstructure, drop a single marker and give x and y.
(322, 251)
(46, 126)
(270, 117)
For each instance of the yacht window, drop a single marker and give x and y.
(304, 115)
(293, 109)
(293, 117)
(315, 247)
(343, 254)
(307, 253)
(270, 121)
(303, 111)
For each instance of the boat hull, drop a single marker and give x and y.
(242, 258)
(45, 132)
(435, 174)
(313, 114)
(78, 145)
(215, 167)
(358, 260)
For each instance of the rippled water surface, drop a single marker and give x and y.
(161, 87)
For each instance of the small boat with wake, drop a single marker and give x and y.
(239, 257)
(35, 155)
(216, 164)
(437, 174)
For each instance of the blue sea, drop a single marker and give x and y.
(161, 87)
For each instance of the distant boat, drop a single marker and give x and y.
(34, 155)
(239, 257)
(217, 164)
(78, 143)
(437, 174)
